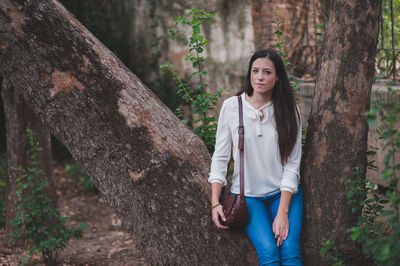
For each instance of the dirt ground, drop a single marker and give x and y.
(103, 242)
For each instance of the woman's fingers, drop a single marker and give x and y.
(285, 233)
(216, 214)
(279, 241)
(221, 213)
(222, 227)
(282, 235)
(277, 229)
(280, 229)
(282, 232)
(274, 230)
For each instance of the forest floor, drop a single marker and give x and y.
(103, 242)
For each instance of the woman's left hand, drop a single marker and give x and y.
(280, 227)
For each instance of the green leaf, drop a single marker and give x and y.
(371, 120)
(385, 251)
(350, 194)
(384, 201)
(355, 234)
(388, 157)
(202, 73)
(387, 212)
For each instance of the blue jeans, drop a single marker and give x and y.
(262, 212)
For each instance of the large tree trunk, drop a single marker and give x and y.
(19, 117)
(150, 168)
(337, 131)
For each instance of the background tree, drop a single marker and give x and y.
(337, 131)
(19, 116)
(149, 167)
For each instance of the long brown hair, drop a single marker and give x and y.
(286, 113)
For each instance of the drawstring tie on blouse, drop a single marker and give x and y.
(256, 117)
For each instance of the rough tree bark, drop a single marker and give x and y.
(337, 130)
(150, 169)
(19, 117)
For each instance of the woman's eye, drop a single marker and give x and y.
(255, 70)
(268, 72)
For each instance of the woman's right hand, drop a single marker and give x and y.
(216, 209)
(218, 212)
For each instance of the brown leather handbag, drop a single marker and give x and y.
(234, 206)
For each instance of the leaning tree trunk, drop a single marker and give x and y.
(150, 168)
(337, 131)
(20, 117)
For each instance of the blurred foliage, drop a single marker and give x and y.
(81, 177)
(111, 21)
(384, 58)
(378, 226)
(201, 102)
(280, 46)
(108, 20)
(387, 24)
(59, 151)
(36, 221)
(329, 255)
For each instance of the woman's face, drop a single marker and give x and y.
(263, 76)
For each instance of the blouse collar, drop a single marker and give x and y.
(251, 106)
(256, 114)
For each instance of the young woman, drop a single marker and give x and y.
(272, 150)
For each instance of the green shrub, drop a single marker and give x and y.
(45, 231)
(329, 255)
(378, 229)
(200, 101)
(280, 46)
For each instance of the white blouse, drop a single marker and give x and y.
(264, 173)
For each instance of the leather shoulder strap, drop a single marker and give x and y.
(241, 147)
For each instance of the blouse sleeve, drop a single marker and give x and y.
(223, 146)
(291, 170)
